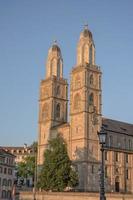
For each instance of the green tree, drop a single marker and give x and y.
(27, 166)
(57, 172)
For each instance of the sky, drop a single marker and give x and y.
(28, 29)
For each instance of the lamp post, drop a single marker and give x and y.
(35, 172)
(102, 140)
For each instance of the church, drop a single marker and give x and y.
(85, 120)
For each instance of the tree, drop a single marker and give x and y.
(57, 172)
(27, 166)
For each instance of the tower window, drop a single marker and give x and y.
(58, 110)
(58, 90)
(91, 79)
(58, 69)
(90, 55)
(91, 99)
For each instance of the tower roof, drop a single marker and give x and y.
(86, 33)
(55, 47)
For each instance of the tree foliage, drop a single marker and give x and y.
(57, 172)
(27, 166)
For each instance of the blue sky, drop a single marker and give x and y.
(27, 30)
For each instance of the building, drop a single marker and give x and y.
(86, 119)
(7, 175)
(20, 154)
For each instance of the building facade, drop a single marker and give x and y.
(7, 174)
(86, 119)
(20, 154)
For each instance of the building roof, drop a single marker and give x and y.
(117, 126)
(6, 153)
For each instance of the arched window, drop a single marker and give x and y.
(4, 183)
(90, 55)
(45, 111)
(58, 90)
(3, 194)
(9, 182)
(58, 110)
(117, 184)
(9, 194)
(91, 79)
(77, 101)
(58, 69)
(99, 82)
(91, 99)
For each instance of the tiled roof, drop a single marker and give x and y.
(117, 126)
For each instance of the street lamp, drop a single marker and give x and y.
(35, 172)
(102, 140)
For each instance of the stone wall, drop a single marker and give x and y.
(72, 196)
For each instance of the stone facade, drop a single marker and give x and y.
(85, 120)
(7, 174)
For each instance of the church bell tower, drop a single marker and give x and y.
(85, 111)
(53, 99)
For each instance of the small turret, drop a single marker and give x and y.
(86, 48)
(54, 65)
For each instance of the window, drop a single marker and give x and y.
(126, 158)
(91, 79)
(58, 110)
(90, 55)
(116, 156)
(99, 82)
(9, 182)
(92, 169)
(58, 69)
(4, 182)
(3, 194)
(129, 144)
(106, 155)
(5, 170)
(106, 171)
(1, 169)
(110, 140)
(77, 101)
(58, 90)
(127, 176)
(91, 99)
(10, 171)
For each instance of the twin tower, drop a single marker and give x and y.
(80, 133)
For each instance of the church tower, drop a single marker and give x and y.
(85, 112)
(53, 99)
